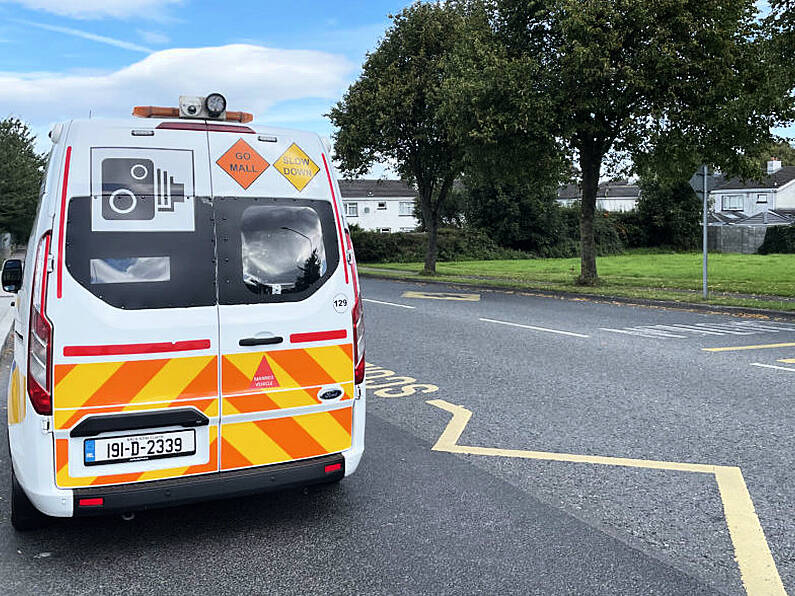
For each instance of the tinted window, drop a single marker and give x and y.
(274, 250)
(139, 269)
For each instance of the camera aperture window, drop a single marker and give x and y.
(130, 270)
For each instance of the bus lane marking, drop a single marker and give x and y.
(751, 552)
(386, 383)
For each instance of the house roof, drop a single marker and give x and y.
(620, 189)
(768, 218)
(366, 188)
(716, 218)
(774, 180)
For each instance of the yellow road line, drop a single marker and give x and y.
(442, 296)
(787, 360)
(751, 551)
(753, 556)
(738, 348)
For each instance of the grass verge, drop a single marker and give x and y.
(750, 281)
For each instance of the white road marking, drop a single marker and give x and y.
(675, 330)
(651, 333)
(558, 331)
(773, 366)
(387, 303)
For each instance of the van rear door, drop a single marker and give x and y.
(285, 300)
(133, 308)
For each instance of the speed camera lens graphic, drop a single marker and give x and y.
(136, 189)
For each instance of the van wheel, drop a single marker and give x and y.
(24, 516)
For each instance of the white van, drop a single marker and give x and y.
(188, 324)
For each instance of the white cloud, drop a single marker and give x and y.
(88, 9)
(111, 41)
(253, 78)
(154, 37)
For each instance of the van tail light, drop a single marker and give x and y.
(358, 314)
(40, 335)
(358, 341)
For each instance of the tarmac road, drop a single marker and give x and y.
(577, 377)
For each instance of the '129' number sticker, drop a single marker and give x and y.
(340, 303)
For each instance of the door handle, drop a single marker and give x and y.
(260, 341)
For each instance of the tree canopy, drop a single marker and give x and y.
(393, 112)
(666, 85)
(20, 178)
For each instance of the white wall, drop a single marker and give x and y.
(777, 198)
(370, 217)
(614, 204)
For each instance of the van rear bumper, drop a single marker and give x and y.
(204, 487)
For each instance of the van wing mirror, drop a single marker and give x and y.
(12, 275)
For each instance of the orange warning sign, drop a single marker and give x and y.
(296, 166)
(243, 163)
(264, 377)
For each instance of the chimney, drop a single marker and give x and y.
(773, 166)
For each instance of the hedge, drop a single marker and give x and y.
(409, 247)
(778, 239)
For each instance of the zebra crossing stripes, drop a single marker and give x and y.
(685, 330)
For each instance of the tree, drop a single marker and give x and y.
(679, 81)
(519, 216)
(782, 151)
(20, 178)
(392, 113)
(670, 215)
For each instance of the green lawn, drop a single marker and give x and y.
(640, 274)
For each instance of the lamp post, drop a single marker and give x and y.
(704, 289)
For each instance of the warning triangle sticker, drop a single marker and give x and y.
(264, 377)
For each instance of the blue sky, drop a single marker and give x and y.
(288, 62)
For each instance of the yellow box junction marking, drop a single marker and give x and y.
(751, 551)
(296, 166)
(385, 383)
(442, 296)
(758, 347)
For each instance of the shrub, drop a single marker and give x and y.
(778, 239)
(409, 247)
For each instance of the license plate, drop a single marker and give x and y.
(113, 450)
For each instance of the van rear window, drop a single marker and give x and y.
(273, 250)
(141, 269)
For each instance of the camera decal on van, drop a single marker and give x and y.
(142, 190)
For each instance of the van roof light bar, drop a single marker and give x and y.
(212, 107)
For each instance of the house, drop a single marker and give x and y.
(379, 205)
(775, 194)
(618, 195)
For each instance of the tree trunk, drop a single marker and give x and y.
(590, 164)
(430, 254)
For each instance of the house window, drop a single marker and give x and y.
(352, 209)
(406, 208)
(761, 197)
(382, 205)
(385, 230)
(733, 203)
